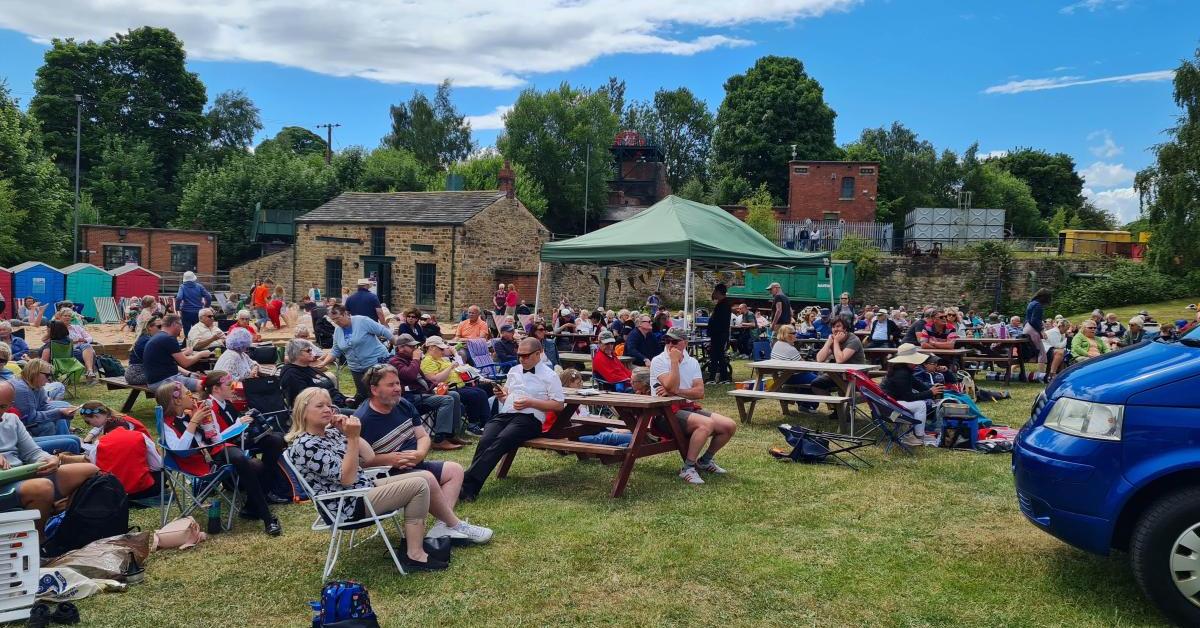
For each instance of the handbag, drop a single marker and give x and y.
(181, 533)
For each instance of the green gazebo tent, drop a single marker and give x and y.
(676, 232)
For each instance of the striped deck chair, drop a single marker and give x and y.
(222, 299)
(106, 310)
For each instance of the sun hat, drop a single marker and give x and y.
(364, 282)
(881, 312)
(436, 341)
(189, 276)
(907, 354)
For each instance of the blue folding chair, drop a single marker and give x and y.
(477, 350)
(179, 485)
(505, 365)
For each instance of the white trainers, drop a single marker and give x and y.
(690, 475)
(477, 534)
(710, 467)
(440, 529)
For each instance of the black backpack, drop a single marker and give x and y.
(99, 509)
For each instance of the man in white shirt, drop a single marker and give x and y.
(205, 334)
(675, 373)
(532, 389)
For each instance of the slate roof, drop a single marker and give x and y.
(438, 208)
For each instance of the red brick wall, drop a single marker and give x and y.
(154, 243)
(819, 191)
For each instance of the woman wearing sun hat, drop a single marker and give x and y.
(908, 391)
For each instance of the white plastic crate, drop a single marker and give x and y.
(19, 563)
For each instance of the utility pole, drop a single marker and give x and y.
(75, 228)
(587, 179)
(328, 140)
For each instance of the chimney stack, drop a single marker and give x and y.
(507, 180)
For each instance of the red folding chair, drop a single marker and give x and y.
(892, 420)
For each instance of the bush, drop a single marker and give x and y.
(1128, 283)
(862, 252)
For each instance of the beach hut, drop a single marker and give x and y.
(85, 282)
(6, 290)
(41, 281)
(133, 281)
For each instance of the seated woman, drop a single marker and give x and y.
(441, 370)
(243, 322)
(73, 336)
(299, 372)
(41, 416)
(31, 312)
(236, 359)
(785, 349)
(217, 390)
(1085, 344)
(329, 452)
(189, 426)
(122, 446)
(136, 373)
(909, 391)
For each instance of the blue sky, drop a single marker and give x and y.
(1089, 78)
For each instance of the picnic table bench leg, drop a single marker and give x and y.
(505, 463)
(631, 455)
(130, 400)
(745, 413)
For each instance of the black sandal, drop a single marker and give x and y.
(66, 613)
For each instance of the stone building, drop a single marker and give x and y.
(435, 250)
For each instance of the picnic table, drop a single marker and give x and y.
(633, 412)
(584, 358)
(883, 353)
(781, 370)
(1010, 353)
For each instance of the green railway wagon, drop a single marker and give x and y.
(804, 286)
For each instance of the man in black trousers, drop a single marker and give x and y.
(718, 337)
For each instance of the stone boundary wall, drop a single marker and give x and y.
(276, 266)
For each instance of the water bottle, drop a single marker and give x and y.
(214, 516)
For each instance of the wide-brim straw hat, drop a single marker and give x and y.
(907, 353)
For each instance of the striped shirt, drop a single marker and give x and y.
(393, 431)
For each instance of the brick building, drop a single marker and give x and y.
(435, 250)
(164, 251)
(639, 179)
(832, 191)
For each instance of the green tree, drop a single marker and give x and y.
(1170, 188)
(134, 85)
(233, 120)
(765, 111)
(35, 200)
(391, 170)
(122, 185)
(548, 133)
(681, 124)
(760, 215)
(433, 132)
(993, 186)
(480, 173)
(1052, 178)
(908, 171)
(295, 140)
(223, 198)
(693, 190)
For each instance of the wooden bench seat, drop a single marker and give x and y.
(607, 454)
(119, 383)
(600, 421)
(746, 399)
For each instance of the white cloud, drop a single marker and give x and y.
(1107, 148)
(489, 121)
(472, 42)
(1091, 6)
(1059, 82)
(993, 154)
(1105, 175)
(1122, 202)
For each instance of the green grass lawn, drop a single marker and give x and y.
(1163, 311)
(931, 540)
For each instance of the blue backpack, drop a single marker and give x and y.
(343, 604)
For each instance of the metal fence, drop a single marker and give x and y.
(826, 236)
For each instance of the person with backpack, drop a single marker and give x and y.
(53, 485)
(122, 446)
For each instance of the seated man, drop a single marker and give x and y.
(419, 390)
(17, 344)
(842, 347)
(505, 348)
(49, 492)
(607, 365)
(939, 335)
(205, 334)
(675, 373)
(533, 390)
(164, 360)
(393, 428)
(473, 327)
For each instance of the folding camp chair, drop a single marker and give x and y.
(265, 394)
(222, 299)
(329, 515)
(66, 368)
(892, 420)
(481, 358)
(813, 446)
(179, 487)
(760, 350)
(506, 365)
(106, 310)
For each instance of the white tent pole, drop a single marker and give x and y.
(537, 292)
(687, 288)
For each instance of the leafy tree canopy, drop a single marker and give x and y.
(435, 133)
(295, 140)
(681, 124)
(1052, 178)
(480, 173)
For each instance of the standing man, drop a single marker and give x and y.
(356, 338)
(533, 389)
(258, 300)
(781, 306)
(653, 302)
(718, 337)
(674, 372)
(364, 303)
(191, 298)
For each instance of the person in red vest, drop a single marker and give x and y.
(607, 364)
(123, 447)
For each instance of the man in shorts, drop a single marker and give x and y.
(394, 429)
(675, 373)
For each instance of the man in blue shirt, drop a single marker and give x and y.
(357, 339)
(364, 302)
(191, 298)
(165, 360)
(640, 343)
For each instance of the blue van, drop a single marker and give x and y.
(1110, 459)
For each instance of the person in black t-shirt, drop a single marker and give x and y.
(164, 359)
(781, 306)
(718, 337)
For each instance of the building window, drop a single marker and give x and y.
(800, 170)
(116, 256)
(867, 170)
(333, 277)
(421, 248)
(426, 282)
(831, 216)
(847, 188)
(378, 240)
(183, 257)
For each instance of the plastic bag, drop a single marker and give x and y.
(63, 584)
(107, 558)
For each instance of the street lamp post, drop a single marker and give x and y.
(75, 220)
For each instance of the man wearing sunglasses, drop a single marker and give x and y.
(532, 390)
(640, 344)
(937, 334)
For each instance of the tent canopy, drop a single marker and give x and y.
(672, 231)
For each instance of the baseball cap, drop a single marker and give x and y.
(881, 312)
(425, 317)
(774, 284)
(407, 340)
(506, 327)
(676, 333)
(436, 341)
(607, 337)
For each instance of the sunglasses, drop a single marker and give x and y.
(525, 355)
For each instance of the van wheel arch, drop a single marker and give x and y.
(1144, 498)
